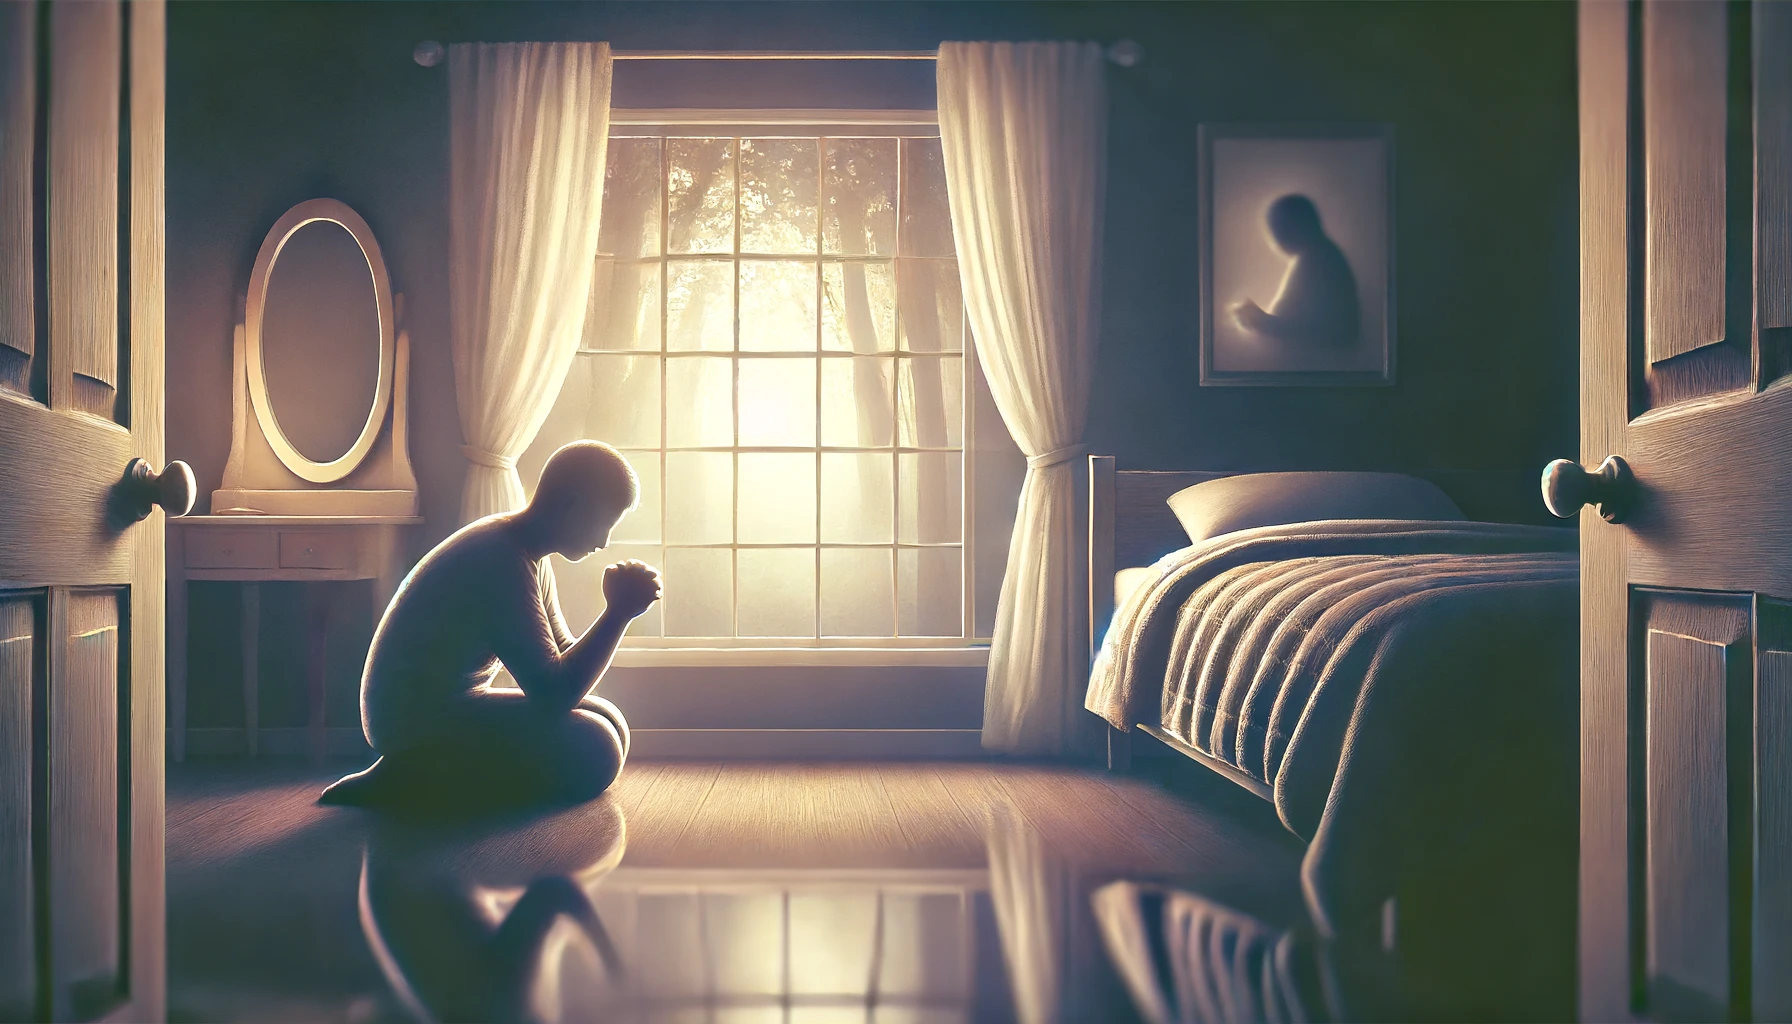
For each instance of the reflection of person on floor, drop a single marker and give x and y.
(1318, 303)
(473, 921)
(485, 597)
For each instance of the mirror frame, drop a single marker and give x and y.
(289, 223)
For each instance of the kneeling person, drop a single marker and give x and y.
(485, 597)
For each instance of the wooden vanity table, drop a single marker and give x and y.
(319, 484)
(252, 549)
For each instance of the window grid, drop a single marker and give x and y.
(950, 995)
(896, 358)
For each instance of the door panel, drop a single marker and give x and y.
(1696, 177)
(1773, 814)
(83, 203)
(18, 112)
(87, 690)
(1697, 670)
(1773, 189)
(1685, 49)
(21, 665)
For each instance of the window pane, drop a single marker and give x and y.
(932, 306)
(777, 306)
(857, 592)
(858, 501)
(700, 306)
(856, 402)
(777, 592)
(897, 1013)
(700, 402)
(581, 586)
(860, 313)
(668, 928)
(927, 488)
(612, 398)
(700, 177)
(930, 402)
(777, 499)
(699, 497)
(777, 402)
(643, 523)
(929, 592)
(630, 225)
(924, 946)
(833, 936)
(699, 590)
(860, 187)
(926, 218)
(624, 311)
(742, 931)
(777, 195)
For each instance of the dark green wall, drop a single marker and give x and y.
(273, 103)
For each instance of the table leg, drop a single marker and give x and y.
(177, 644)
(251, 626)
(317, 649)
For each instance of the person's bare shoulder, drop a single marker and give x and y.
(481, 553)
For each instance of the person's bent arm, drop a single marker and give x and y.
(550, 603)
(557, 680)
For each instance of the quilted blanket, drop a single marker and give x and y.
(1407, 690)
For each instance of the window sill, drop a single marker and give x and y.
(643, 657)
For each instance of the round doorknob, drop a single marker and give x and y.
(1566, 487)
(173, 488)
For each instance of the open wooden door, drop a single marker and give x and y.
(1686, 590)
(81, 578)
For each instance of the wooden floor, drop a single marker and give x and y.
(265, 920)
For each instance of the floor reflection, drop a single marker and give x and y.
(279, 910)
(541, 919)
(483, 921)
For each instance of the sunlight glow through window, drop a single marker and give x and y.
(776, 341)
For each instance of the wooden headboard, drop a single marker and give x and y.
(1130, 524)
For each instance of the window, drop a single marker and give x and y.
(776, 946)
(777, 342)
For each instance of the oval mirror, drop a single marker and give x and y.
(319, 340)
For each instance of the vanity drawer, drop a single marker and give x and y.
(316, 550)
(230, 549)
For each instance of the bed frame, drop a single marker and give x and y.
(1129, 524)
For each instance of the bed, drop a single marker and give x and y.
(1403, 690)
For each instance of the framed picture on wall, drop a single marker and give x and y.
(1297, 254)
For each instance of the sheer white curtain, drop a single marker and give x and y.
(1023, 127)
(529, 126)
(1034, 894)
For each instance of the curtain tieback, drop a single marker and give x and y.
(485, 458)
(1057, 455)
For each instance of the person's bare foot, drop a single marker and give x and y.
(357, 790)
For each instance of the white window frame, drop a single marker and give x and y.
(967, 649)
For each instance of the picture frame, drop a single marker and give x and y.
(1296, 226)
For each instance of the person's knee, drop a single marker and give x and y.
(605, 709)
(596, 752)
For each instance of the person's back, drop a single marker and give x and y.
(434, 645)
(483, 598)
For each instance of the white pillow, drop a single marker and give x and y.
(1249, 500)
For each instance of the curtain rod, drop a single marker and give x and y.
(1125, 53)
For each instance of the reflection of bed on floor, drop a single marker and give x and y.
(1404, 690)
